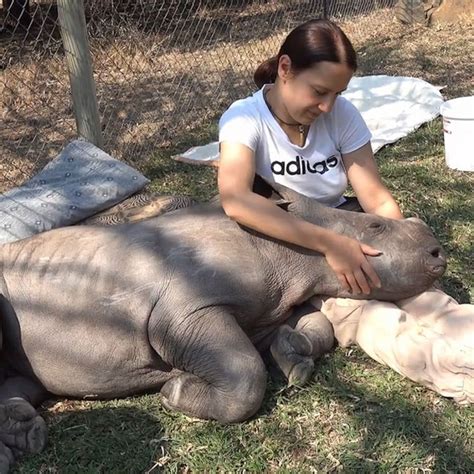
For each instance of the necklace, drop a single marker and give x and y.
(301, 127)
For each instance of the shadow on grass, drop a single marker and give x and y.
(433, 60)
(456, 288)
(397, 417)
(400, 430)
(98, 439)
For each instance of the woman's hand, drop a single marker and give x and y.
(347, 257)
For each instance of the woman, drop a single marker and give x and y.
(298, 131)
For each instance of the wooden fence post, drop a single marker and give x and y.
(76, 46)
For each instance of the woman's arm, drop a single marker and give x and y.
(346, 256)
(365, 179)
(235, 179)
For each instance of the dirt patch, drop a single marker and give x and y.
(453, 10)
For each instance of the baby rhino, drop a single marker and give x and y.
(182, 304)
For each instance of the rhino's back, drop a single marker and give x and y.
(80, 310)
(82, 297)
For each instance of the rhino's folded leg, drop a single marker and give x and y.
(291, 352)
(22, 430)
(223, 378)
(295, 348)
(6, 458)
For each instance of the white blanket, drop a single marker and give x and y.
(391, 106)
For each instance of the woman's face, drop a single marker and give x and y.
(311, 92)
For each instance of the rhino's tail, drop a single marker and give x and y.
(138, 207)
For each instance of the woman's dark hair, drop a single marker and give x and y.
(308, 44)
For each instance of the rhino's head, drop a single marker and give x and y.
(412, 258)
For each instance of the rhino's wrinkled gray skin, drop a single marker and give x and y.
(179, 304)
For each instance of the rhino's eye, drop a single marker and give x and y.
(376, 226)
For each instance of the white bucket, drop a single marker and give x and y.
(458, 127)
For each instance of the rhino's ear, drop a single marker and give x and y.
(282, 195)
(264, 188)
(283, 204)
(271, 191)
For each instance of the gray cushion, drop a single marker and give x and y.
(80, 182)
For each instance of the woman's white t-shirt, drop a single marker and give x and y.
(315, 169)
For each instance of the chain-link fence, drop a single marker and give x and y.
(161, 68)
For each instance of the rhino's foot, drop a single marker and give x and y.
(176, 394)
(292, 352)
(196, 398)
(22, 430)
(6, 458)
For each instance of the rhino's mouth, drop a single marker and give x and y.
(436, 262)
(436, 270)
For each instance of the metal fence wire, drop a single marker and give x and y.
(161, 69)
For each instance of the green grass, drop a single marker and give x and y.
(170, 176)
(354, 416)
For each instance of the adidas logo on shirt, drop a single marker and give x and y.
(301, 166)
